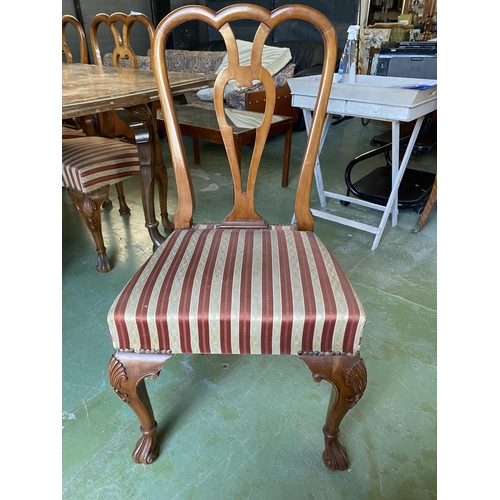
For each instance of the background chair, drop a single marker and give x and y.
(241, 286)
(84, 126)
(90, 163)
(120, 25)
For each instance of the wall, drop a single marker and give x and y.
(342, 13)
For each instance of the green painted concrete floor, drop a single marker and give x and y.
(236, 427)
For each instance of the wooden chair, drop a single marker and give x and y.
(72, 128)
(90, 163)
(82, 39)
(123, 50)
(241, 286)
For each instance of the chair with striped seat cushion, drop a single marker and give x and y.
(81, 128)
(70, 132)
(241, 286)
(89, 166)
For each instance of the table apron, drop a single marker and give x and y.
(375, 111)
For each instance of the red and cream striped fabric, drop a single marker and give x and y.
(209, 290)
(91, 163)
(70, 133)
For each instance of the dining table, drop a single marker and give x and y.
(90, 89)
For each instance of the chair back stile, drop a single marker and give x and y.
(243, 213)
(86, 125)
(82, 39)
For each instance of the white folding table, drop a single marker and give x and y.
(378, 98)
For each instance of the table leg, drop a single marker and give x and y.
(396, 181)
(196, 151)
(395, 168)
(140, 120)
(398, 169)
(237, 147)
(427, 209)
(286, 157)
(317, 168)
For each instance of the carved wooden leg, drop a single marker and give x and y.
(286, 157)
(196, 151)
(161, 178)
(162, 183)
(427, 209)
(89, 205)
(127, 372)
(124, 209)
(347, 374)
(107, 203)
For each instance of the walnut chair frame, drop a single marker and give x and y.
(86, 126)
(113, 125)
(145, 336)
(89, 204)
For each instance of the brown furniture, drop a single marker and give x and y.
(91, 164)
(88, 89)
(200, 123)
(256, 101)
(241, 286)
(72, 128)
(120, 25)
(82, 40)
(427, 208)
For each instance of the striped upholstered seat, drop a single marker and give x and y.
(94, 162)
(236, 291)
(70, 133)
(89, 166)
(241, 286)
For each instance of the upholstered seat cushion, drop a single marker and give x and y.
(212, 290)
(70, 133)
(91, 163)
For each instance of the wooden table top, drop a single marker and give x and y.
(88, 88)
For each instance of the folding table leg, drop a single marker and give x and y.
(392, 202)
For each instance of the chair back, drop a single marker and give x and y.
(82, 39)
(243, 214)
(120, 25)
(84, 122)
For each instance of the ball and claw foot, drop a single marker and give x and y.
(146, 449)
(334, 455)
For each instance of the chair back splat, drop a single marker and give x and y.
(243, 285)
(123, 48)
(244, 211)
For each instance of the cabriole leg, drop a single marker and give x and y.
(124, 209)
(89, 205)
(127, 372)
(347, 374)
